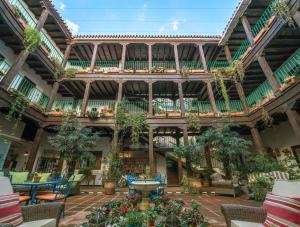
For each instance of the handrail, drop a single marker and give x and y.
(66, 105)
(191, 64)
(217, 64)
(234, 105)
(263, 91)
(100, 104)
(197, 106)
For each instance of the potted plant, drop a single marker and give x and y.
(32, 39)
(36, 177)
(192, 216)
(151, 215)
(93, 114)
(97, 218)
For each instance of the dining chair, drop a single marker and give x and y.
(130, 179)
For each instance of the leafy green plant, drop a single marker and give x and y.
(260, 187)
(192, 216)
(70, 72)
(18, 107)
(188, 187)
(220, 84)
(135, 219)
(281, 10)
(32, 39)
(184, 71)
(114, 167)
(194, 123)
(266, 118)
(151, 214)
(86, 171)
(92, 114)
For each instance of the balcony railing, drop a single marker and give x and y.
(263, 91)
(191, 65)
(217, 64)
(169, 65)
(241, 50)
(66, 105)
(162, 106)
(136, 65)
(288, 68)
(101, 105)
(23, 11)
(197, 106)
(4, 67)
(234, 105)
(137, 107)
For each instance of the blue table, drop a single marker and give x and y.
(34, 187)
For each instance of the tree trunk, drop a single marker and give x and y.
(227, 168)
(71, 167)
(188, 165)
(208, 158)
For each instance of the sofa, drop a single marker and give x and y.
(225, 187)
(35, 215)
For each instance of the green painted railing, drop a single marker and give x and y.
(217, 64)
(234, 105)
(197, 106)
(137, 107)
(78, 64)
(263, 91)
(4, 67)
(241, 50)
(137, 65)
(163, 105)
(164, 64)
(109, 105)
(262, 21)
(288, 68)
(108, 64)
(22, 10)
(66, 105)
(191, 64)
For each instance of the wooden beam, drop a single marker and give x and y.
(247, 28)
(212, 98)
(94, 57)
(268, 73)
(258, 142)
(181, 99)
(202, 56)
(34, 149)
(176, 58)
(294, 120)
(85, 98)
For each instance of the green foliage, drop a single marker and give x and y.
(192, 216)
(266, 118)
(60, 71)
(184, 71)
(291, 167)
(260, 187)
(135, 218)
(281, 10)
(220, 84)
(86, 171)
(73, 140)
(93, 114)
(1, 73)
(188, 186)
(70, 72)
(226, 144)
(194, 123)
(18, 106)
(114, 167)
(32, 39)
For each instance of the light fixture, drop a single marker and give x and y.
(26, 153)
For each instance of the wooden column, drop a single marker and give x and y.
(211, 98)
(202, 56)
(119, 95)
(94, 57)
(66, 55)
(16, 67)
(150, 58)
(294, 120)
(151, 152)
(150, 106)
(258, 142)
(247, 29)
(242, 96)
(297, 18)
(176, 57)
(34, 149)
(268, 73)
(123, 57)
(228, 54)
(52, 96)
(181, 99)
(85, 98)
(185, 135)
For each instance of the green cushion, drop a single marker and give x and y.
(76, 177)
(44, 177)
(1, 174)
(19, 177)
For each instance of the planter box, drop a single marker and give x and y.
(160, 115)
(22, 22)
(236, 113)
(107, 114)
(271, 21)
(55, 114)
(44, 49)
(260, 35)
(174, 114)
(197, 71)
(247, 52)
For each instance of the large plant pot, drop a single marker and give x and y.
(196, 184)
(109, 188)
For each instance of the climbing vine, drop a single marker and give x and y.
(266, 118)
(32, 39)
(60, 71)
(281, 10)
(222, 88)
(194, 123)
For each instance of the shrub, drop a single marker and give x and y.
(32, 39)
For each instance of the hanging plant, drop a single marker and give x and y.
(70, 72)
(32, 39)
(220, 84)
(194, 123)
(266, 118)
(238, 71)
(184, 71)
(60, 71)
(281, 10)
(93, 114)
(18, 106)
(1, 74)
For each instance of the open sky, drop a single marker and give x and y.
(147, 17)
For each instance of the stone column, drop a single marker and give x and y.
(150, 106)
(66, 55)
(34, 149)
(52, 96)
(176, 57)
(242, 96)
(268, 73)
(94, 57)
(123, 57)
(228, 54)
(294, 120)
(202, 56)
(247, 29)
(211, 98)
(258, 142)
(150, 57)
(16, 67)
(181, 99)
(151, 152)
(85, 98)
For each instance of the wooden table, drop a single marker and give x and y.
(146, 186)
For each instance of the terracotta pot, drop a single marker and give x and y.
(109, 188)
(196, 183)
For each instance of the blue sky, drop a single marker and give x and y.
(148, 17)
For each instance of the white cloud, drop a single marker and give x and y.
(72, 26)
(175, 25)
(62, 6)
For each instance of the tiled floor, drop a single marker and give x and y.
(78, 206)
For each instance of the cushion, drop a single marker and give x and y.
(40, 223)
(235, 223)
(278, 175)
(281, 210)
(10, 210)
(44, 177)
(19, 177)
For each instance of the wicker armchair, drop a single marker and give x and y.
(243, 213)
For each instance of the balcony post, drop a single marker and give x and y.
(241, 94)
(294, 120)
(34, 149)
(16, 67)
(150, 106)
(258, 142)
(176, 57)
(202, 56)
(297, 18)
(67, 54)
(211, 98)
(122, 65)
(94, 57)
(181, 99)
(228, 54)
(151, 152)
(52, 96)
(268, 73)
(85, 98)
(247, 28)
(150, 57)
(119, 95)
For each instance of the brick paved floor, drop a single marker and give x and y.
(78, 206)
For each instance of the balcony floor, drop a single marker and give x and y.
(78, 206)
